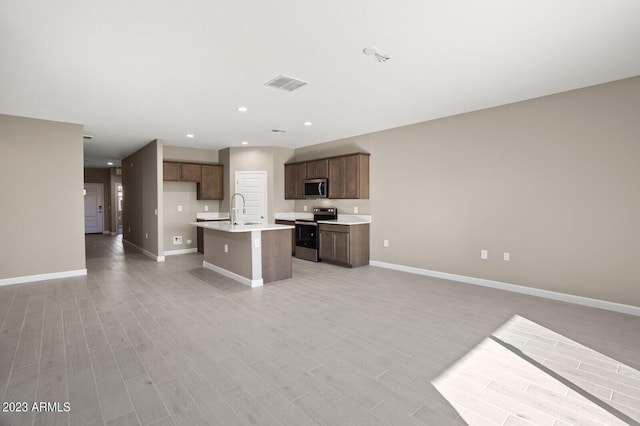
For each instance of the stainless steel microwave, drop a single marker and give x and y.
(316, 188)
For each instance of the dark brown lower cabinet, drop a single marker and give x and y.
(200, 237)
(293, 233)
(344, 244)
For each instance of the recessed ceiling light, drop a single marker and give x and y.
(242, 109)
(189, 135)
(308, 123)
(244, 143)
(109, 163)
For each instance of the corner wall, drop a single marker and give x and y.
(42, 207)
(142, 198)
(554, 181)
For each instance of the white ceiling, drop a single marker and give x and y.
(131, 71)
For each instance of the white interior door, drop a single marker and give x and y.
(93, 208)
(253, 186)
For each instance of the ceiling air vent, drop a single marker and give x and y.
(278, 131)
(284, 82)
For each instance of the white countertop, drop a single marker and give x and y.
(343, 219)
(349, 219)
(293, 216)
(212, 215)
(227, 227)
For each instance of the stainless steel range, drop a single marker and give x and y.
(307, 232)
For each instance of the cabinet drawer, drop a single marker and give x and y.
(334, 228)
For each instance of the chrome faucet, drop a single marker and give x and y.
(234, 210)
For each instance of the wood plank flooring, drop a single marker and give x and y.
(137, 342)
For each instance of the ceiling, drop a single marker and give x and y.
(131, 71)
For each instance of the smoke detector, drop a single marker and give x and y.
(380, 57)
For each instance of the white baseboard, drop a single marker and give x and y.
(42, 277)
(181, 251)
(547, 294)
(246, 281)
(143, 251)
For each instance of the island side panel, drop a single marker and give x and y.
(237, 259)
(276, 255)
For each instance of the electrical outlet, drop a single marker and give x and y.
(206, 208)
(484, 254)
(226, 248)
(355, 210)
(146, 235)
(179, 208)
(385, 243)
(177, 240)
(507, 256)
(189, 242)
(256, 243)
(305, 208)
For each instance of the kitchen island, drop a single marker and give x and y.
(250, 254)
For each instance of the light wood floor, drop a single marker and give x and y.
(140, 342)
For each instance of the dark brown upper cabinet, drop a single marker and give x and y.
(348, 176)
(209, 177)
(171, 171)
(191, 172)
(211, 186)
(294, 176)
(318, 169)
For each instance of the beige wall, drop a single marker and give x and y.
(42, 207)
(554, 181)
(179, 153)
(184, 194)
(143, 196)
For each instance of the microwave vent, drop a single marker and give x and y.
(286, 83)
